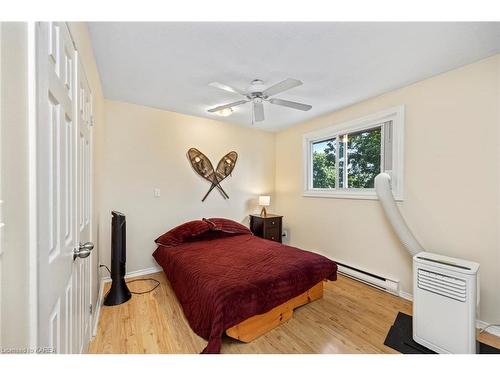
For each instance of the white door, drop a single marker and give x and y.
(61, 276)
(83, 265)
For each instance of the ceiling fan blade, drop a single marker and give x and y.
(287, 84)
(230, 105)
(227, 88)
(258, 111)
(288, 103)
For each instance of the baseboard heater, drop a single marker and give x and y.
(380, 282)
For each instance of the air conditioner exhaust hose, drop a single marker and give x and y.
(384, 193)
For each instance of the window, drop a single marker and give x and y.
(324, 172)
(342, 161)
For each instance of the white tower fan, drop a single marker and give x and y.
(445, 290)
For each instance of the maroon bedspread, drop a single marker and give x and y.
(221, 282)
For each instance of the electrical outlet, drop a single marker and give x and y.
(157, 192)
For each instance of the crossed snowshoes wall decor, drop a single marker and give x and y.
(203, 167)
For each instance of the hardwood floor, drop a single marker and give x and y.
(350, 318)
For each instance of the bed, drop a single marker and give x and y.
(230, 281)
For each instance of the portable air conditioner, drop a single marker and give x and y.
(444, 303)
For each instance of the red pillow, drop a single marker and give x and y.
(183, 233)
(212, 235)
(227, 226)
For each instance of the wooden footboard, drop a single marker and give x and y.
(258, 325)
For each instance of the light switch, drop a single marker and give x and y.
(157, 192)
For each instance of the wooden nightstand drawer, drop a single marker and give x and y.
(274, 223)
(272, 234)
(268, 227)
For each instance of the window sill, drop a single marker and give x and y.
(363, 195)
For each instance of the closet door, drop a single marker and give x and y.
(61, 271)
(83, 172)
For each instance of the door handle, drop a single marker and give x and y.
(83, 250)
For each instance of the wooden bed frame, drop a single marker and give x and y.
(257, 325)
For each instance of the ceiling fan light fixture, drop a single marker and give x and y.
(224, 112)
(257, 94)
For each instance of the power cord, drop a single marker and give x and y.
(146, 279)
(133, 281)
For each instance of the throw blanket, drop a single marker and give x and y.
(221, 282)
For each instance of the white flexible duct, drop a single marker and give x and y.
(383, 189)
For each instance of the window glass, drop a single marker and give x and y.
(363, 158)
(323, 164)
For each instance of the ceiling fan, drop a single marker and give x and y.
(257, 94)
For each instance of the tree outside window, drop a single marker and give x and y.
(324, 156)
(359, 160)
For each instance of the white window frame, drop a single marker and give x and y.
(396, 115)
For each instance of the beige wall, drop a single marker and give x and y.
(145, 148)
(451, 182)
(81, 37)
(14, 169)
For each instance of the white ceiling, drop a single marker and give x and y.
(169, 65)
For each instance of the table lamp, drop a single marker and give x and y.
(264, 200)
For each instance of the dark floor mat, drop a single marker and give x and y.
(400, 338)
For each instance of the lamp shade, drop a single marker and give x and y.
(264, 200)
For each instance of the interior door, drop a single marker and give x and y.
(61, 273)
(83, 265)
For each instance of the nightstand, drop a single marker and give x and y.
(268, 227)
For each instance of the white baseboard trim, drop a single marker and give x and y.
(406, 296)
(97, 311)
(144, 271)
(494, 330)
(107, 279)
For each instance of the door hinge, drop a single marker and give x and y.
(90, 309)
